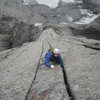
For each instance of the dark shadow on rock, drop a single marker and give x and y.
(23, 33)
(93, 5)
(6, 26)
(14, 33)
(90, 33)
(95, 46)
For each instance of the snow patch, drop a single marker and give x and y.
(79, 1)
(63, 23)
(50, 3)
(67, 1)
(70, 19)
(86, 20)
(86, 12)
(27, 2)
(38, 24)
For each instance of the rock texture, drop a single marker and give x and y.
(17, 71)
(29, 58)
(31, 30)
(25, 64)
(92, 5)
(81, 65)
(91, 31)
(4, 42)
(32, 14)
(14, 33)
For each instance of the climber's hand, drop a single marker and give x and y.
(52, 66)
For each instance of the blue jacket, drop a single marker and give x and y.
(50, 57)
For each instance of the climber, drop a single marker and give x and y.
(53, 57)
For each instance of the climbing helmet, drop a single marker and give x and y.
(56, 51)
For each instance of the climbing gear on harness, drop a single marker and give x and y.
(51, 49)
(56, 51)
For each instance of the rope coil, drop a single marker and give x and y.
(34, 96)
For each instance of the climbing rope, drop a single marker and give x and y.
(29, 90)
(34, 96)
(46, 95)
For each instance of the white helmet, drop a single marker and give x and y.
(56, 51)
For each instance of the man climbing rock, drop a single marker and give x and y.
(53, 57)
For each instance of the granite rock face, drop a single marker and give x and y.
(14, 33)
(25, 64)
(20, 22)
(35, 13)
(6, 26)
(30, 72)
(91, 31)
(93, 5)
(31, 30)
